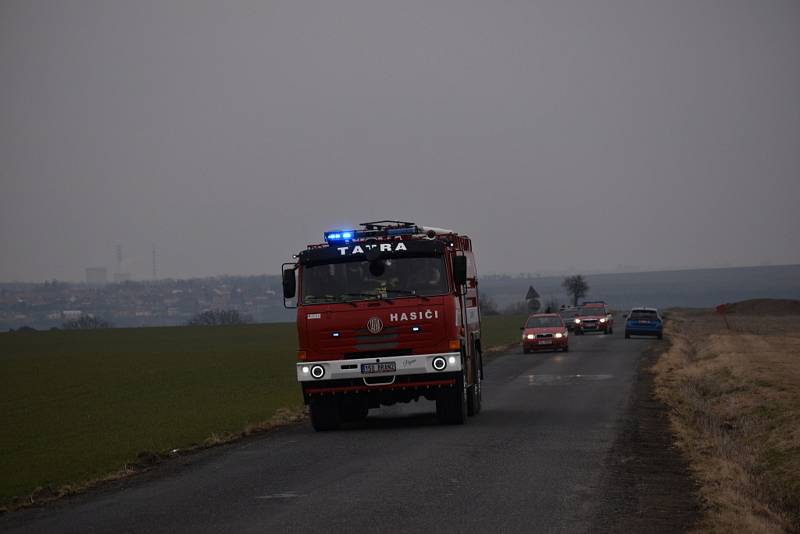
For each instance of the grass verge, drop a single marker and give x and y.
(81, 407)
(735, 408)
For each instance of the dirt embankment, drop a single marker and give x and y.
(772, 307)
(734, 393)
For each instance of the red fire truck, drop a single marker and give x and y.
(386, 313)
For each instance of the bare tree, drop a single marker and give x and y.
(86, 322)
(576, 287)
(218, 318)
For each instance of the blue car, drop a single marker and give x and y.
(644, 322)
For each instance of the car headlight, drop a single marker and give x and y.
(577, 321)
(531, 336)
(603, 320)
(559, 335)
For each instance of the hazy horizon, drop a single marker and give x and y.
(511, 274)
(562, 136)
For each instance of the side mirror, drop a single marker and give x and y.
(625, 315)
(289, 284)
(460, 270)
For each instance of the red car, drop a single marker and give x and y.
(544, 331)
(594, 318)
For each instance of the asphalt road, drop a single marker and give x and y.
(532, 461)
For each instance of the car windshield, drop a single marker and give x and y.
(643, 314)
(382, 279)
(567, 313)
(543, 322)
(592, 310)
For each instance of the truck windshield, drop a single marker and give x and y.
(361, 280)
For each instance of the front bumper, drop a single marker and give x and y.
(419, 364)
(554, 343)
(591, 327)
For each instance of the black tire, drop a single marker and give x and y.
(325, 413)
(627, 335)
(353, 410)
(610, 329)
(451, 404)
(660, 336)
(566, 348)
(474, 399)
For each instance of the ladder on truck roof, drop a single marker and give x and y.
(386, 224)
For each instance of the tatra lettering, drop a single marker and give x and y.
(383, 247)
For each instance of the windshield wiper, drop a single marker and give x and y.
(327, 298)
(408, 292)
(373, 295)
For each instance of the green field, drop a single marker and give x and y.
(78, 405)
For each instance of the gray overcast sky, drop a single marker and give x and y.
(562, 136)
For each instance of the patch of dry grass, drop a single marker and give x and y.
(735, 400)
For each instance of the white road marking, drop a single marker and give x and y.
(558, 380)
(284, 495)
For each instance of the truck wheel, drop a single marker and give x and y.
(451, 404)
(324, 413)
(353, 410)
(660, 336)
(474, 399)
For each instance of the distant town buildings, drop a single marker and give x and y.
(160, 303)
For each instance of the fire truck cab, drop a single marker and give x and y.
(387, 313)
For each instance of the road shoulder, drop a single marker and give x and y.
(647, 485)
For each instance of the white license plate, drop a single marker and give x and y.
(546, 342)
(383, 367)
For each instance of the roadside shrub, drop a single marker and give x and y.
(219, 318)
(86, 322)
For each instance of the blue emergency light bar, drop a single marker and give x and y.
(401, 231)
(339, 236)
(345, 236)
